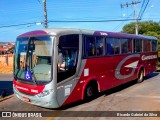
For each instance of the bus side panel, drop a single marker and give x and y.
(136, 62)
(103, 71)
(100, 69)
(150, 65)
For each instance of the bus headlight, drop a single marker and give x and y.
(45, 93)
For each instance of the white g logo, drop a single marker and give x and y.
(117, 71)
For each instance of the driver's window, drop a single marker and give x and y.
(67, 56)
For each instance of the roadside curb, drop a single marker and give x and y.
(5, 98)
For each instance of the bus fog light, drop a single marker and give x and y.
(45, 93)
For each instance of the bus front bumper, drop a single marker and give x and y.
(48, 101)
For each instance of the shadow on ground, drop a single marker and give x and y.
(6, 88)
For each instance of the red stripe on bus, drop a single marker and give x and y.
(28, 89)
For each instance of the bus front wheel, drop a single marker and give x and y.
(140, 76)
(91, 91)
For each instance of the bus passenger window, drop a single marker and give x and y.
(99, 46)
(109, 46)
(130, 45)
(113, 46)
(154, 45)
(148, 44)
(137, 45)
(116, 46)
(124, 46)
(89, 46)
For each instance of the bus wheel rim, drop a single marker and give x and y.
(89, 91)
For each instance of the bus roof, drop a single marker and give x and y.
(62, 31)
(123, 35)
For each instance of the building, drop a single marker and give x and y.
(6, 48)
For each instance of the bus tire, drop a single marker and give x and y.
(91, 91)
(140, 76)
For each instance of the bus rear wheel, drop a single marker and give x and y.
(91, 91)
(140, 76)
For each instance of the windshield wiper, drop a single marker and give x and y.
(29, 54)
(17, 73)
(34, 78)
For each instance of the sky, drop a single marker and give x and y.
(28, 14)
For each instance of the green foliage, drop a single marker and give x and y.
(145, 28)
(129, 28)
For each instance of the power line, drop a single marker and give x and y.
(134, 3)
(141, 13)
(39, 2)
(70, 21)
(92, 20)
(141, 7)
(15, 25)
(121, 23)
(118, 26)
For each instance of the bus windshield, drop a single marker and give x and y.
(33, 61)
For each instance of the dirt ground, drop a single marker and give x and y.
(4, 68)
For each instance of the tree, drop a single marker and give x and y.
(145, 28)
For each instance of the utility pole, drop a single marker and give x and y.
(134, 3)
(45, 14)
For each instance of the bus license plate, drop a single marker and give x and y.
(26, 99)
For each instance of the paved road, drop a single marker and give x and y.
(6, 84)
(6, 77)
(129, 97)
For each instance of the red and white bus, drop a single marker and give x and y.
(55, 67)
